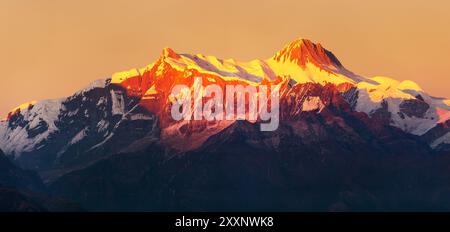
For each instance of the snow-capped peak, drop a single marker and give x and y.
(302, 51)
(169, 53)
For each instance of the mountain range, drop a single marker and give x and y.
(345, 141)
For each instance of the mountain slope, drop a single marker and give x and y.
(23, 190)
(330, 160)
(67, 133)
(112, 115)
(14, 177)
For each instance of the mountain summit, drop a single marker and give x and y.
(302, 51)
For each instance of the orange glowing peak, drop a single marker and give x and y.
(169, 53)
(305, 61)
(302, 51)
(119, 77)
(301, 60)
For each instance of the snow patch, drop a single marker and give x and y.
(78, 137)
(102, 125)
(140, 117)
(442, 140)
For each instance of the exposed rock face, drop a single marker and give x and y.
(414, 107)
(439, 136)
(382, 114)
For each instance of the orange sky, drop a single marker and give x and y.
(50, 49)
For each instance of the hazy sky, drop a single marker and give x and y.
(50, 49)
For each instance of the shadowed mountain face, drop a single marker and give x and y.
(12, 200)
(345, 142)
(14, 177)
(22, 190)
(331, 165)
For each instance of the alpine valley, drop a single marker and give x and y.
(344, 142)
